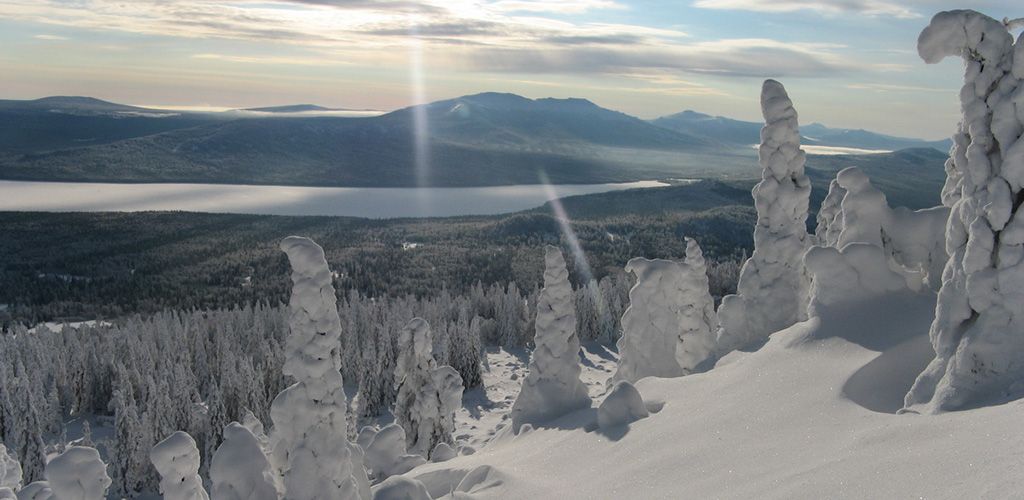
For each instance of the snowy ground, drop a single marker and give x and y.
(810, 414)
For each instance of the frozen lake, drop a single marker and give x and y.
(289, 200)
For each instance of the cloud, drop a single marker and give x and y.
(554, 6)
(866, 7)
(49, 37)
(758, 58)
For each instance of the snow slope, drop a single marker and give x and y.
(789, 420)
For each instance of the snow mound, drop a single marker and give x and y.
(623, 405)
(239, 469)
(401, 488)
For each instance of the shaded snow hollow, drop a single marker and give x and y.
(790, 420)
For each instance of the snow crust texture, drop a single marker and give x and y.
(773, 284)
(309, 442)
(553, 386)
(978, 332)
(177, 460)
(77, 474)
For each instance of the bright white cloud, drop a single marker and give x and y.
(867, 7)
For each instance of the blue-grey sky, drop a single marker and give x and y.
(846, 63)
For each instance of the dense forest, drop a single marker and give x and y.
(80, 266)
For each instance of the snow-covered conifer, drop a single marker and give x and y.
(697, 318)
(176, 458)
(650, 325)
(37, 490)
(240, 470)
(78, 474)
(553, 386)
(427, 395)
(10, 473)
(977, 332)
(309, 435)
(772, 289)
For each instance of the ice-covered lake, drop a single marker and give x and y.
(289, 200)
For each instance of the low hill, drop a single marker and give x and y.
(741, 132)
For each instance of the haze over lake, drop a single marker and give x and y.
(289, 200)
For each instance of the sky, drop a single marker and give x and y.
(846, 63)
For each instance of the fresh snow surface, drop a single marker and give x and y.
(811, 414)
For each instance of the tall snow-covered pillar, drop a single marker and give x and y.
(978, 331)
(309, 435)
(552, 387)
(772, 289)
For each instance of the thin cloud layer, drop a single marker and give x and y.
(508, 36)
(866, 7)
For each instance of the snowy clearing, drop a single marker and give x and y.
(791, 420)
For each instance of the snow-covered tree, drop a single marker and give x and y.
(10, 474)
(978, 332)
(553, 386)
(428, 395)
(78, 474)
(772, 289)
(176, 458)
(240, 470)
(386, 454)
(650, 325)
(309, 436)
(669, 326)
(697, 318)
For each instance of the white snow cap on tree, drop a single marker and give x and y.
(10, 473)
(177, 460)
(552, 387)
(910, 243)
(38, 490)
(668, 327)
(386, 454)
(978, 332)
(78, 474)
(428, 396)
(310, 447)
(239, 469)
(773, 284)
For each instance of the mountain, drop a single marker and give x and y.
(741, 132)
(57, 123)
(485, 139)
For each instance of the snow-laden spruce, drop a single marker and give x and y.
(240, 470)
(552, 387)
(10, 474)
(772, 289)
(978, 332)
(669, 326)
(310, 449)
(428, 395)
(386, 454)
(909, 243)
(78, 474)
(176, 458)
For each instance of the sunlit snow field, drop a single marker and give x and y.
(289, 200)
